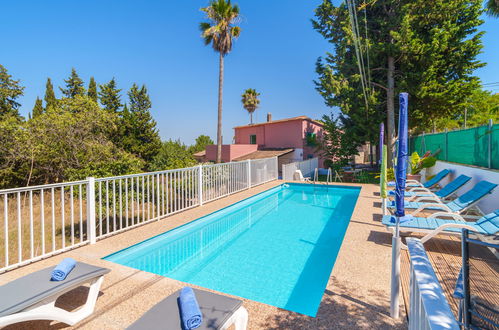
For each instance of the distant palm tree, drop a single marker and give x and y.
(220, 32)
(250, 101)
(492, 8)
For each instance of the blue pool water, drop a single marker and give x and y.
(277, 247)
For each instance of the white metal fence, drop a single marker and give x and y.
(307, 168)
(428, 307)
(40, 221)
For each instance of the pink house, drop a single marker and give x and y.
(291, 139)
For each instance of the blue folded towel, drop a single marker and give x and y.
(459, 288)
(189, 309)
(62, 270)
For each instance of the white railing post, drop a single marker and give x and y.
(200, 184)
(91, 235)
(249, 173)
(276, 168)
(158, 199)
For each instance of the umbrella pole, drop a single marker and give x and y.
(395, 282)
(383, 205)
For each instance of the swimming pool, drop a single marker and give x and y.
(277, 247)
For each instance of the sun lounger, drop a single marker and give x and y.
(433, 225)
(457, 206)
(32, 297)
(422, 193)
(219, 312)
(298, 176)
(428, 184)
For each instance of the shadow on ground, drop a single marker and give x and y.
(340, 309)
(69, 301)
(380, 237)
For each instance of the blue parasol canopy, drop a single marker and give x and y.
(401, 169)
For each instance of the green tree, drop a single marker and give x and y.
(250, 101)
(479, 108)
(427, 49)
(138, 133)
(50, 99)
(71, 142)
(437, 63)
(201, 142)
(110, 97)
(10, 90)
(171, 155)
(493, 8)
(13, 141)
(74, 85)
(337, 146)
(38, 108)
(92, 89)
(220, 31)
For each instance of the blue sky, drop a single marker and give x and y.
(158, 43)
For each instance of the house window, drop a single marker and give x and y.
(311, 139)
(252, 139)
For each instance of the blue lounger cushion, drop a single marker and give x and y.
(481, 189)
(415, 205)
(430, 183)
(436, 179)
(450, 188)
(410, 194)
(488, 224)
(410, 185)
(189, 309)
(62, 270)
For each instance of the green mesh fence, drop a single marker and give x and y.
(467, 146)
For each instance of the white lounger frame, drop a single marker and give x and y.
(46, 310)
(300, 176)
(433, 232)
(239, 319)
(447, 210)
(420, 185)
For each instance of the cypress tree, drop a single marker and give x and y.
(74, 85)
(92, 90)
(139, 132)
(110, 97)
(49, 98)
(38, 108)
(426, 48)
(10, 90)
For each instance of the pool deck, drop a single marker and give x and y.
(357, 294)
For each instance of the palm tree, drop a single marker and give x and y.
(250, 101)
(220, 31)
(492, 8)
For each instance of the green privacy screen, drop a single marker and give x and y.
(467, 146)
